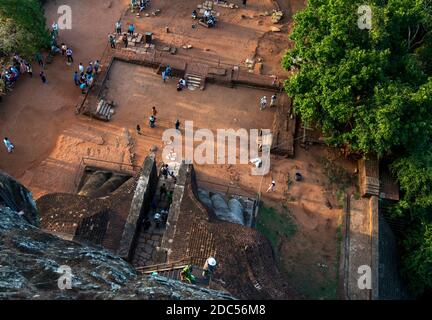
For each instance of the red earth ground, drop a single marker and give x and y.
(51, 140)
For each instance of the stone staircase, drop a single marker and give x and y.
(173, 271)
(195, 81)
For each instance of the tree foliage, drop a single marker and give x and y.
(22, 27)
(371, 91)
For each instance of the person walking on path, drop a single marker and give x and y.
(83, 87)
(76, 78)
(273, 100)
(8, 144)
(272, 186)
(118, 26)
(89, 69)
(29, 69)
(152, 121)
(39, 59)
(43, 77)
(131, 29)
(125, 40)
(112, 41)
(138, 129)
(96, 66)
(263, 103)
(55, 29)
(177, 124)
(63, 48)
(69, 55)
(164, 76)
(81, 68)
(154, 111)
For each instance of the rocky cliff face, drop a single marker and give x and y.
(33, 262)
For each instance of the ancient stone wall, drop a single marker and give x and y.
(140, 206)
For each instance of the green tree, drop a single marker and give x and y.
(367, 89)
(371, 91)
(22, 27)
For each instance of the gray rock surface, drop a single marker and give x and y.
(30, 259)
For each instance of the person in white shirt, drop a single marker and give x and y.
(272, 186)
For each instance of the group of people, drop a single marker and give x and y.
(167, 73)
(141, 4)
(84, 77)
(263, 102)
(9, 75)
(207, 18)
(152, 122)
(123, 35)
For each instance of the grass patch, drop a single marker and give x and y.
(275, 226)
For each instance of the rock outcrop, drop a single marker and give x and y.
(32, 262)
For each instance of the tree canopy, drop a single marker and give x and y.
(22, 27)
(370, 90)
(367, 89)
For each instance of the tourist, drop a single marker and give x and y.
(142, 5)
(82, 78)
(125, 40)
(69, 55)
(209, 267)
(8, 144)
(263, 103)
(173, 177)
(76, 78)
(112, 41)
(39, 59)
(154, 111)
(89, 69)
(43, 77)
(89, 80)
(29, 69)
(55, 49)
(55, 29)
(157, 219)
(181, 84)
(131, 29)
(96, 66)
(168, 71)
(164, 171)
(177, 124)
(152, 121)
(83, 87)
(272, 186)
(138, 129)
(164, 76)
(63, 49)
(81, 68)
(207, 14)
(194, 14)
(273, 100)
(118, 26)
